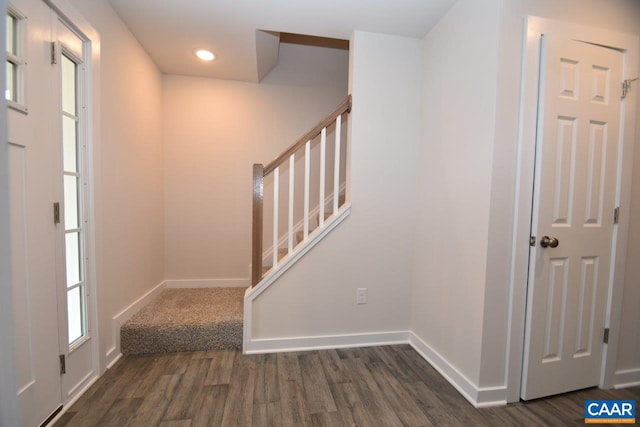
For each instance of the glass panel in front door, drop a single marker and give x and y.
(73, 202)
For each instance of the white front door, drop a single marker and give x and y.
(578, 136)
(32, 146)
(48, 198)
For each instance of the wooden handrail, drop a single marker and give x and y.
(260, 172)
(345, 107)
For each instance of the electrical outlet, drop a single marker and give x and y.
(361, 296)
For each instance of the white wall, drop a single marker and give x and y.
(128, 171)
(621, 16)
(8, 392)
(214, 130)
(317, 296)
(629, 347)
(464, 230)
(449, 262)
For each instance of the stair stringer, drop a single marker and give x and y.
(285, 264)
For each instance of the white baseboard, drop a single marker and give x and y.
(479, 397)
(278, 345)
(208, 283)
(627, 378)
(113, 354)
(115, 360)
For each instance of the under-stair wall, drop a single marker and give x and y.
(314, 303)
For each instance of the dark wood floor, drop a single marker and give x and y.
(375, 386)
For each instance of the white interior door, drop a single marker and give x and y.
(573, 217)
(48, 138)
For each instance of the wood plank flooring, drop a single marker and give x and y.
(373, 386)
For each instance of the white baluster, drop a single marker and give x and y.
(323, 154)
(292, 162)
(307, 156)
(336, 166)
(276, 202)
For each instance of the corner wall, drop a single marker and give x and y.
(128, 173)
(316, 298)
(456, 160)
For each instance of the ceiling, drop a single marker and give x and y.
(245, 34)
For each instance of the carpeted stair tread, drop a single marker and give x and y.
(186, 320)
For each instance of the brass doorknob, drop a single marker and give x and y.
(549, 242)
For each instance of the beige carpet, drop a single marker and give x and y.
(186, 320)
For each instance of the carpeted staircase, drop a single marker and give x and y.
(186, 320)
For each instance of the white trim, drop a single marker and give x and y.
(114, 353)
(287, 262)
(627, 378)
(208, 283)
(114, 361)
(323, 342)
(479, 397)
(524, 184)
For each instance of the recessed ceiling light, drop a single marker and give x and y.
(205, 55)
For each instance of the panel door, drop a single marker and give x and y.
(575, 186)
(32, 146)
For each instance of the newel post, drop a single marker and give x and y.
(258, 195)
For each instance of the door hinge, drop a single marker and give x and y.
(532, 241)
(626, 87)
(63, 364)
(56, 213)
(605, 337)
(54, 56)
(616, 215)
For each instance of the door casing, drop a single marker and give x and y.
(628, 45)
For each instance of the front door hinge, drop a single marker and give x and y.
(54, 56)
(56, 213)
(616, 215)
(605, 337)
(532, 241)
(63, 364)
(626, 87)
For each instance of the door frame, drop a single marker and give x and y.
(629, 46)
